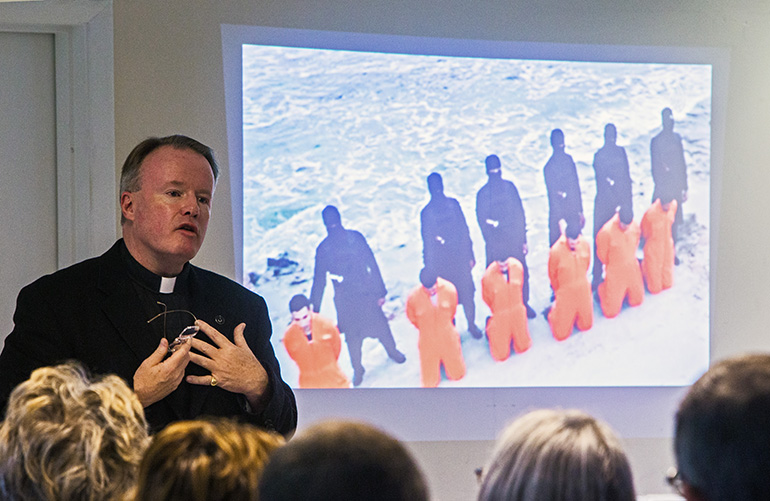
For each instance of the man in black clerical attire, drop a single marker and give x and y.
(501, 217)
(447, 248)
(669, 171)
(613, 188)
(359, 291)
(561, 180)
(121, 312)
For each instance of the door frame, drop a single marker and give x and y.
(85, 118)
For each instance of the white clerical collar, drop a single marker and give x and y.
(167, 285)
(152, 282)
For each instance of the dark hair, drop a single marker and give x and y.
(722, 439)
(340, 461)
(573, 226)
(428, 277)
(297, 302)
(130, 174)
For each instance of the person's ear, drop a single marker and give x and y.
(127, 205)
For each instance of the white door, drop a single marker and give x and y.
(28, 205)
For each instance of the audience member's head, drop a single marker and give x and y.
(205, 460)
(557, 456)
(341, 461)
(67, 437)
(722, 439)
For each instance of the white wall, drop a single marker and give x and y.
(27, 164)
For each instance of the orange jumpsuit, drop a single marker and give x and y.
(572, 304)
(317, 357)
(622, 275)
(509, 316)
(658, 262)
(439, 341)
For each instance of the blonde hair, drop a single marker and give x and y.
(205, 460)
(66, 437)
(557, 456)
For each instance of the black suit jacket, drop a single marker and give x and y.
(91, 312)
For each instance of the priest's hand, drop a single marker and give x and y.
(233, 366)
(156, 378)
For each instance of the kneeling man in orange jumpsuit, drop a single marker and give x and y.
(313, 342)
(431, 308)
(658, 262)
(616, 245)
(568, 264)
(501, 289)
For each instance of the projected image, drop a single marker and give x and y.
(421, 220)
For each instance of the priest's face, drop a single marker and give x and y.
(167, 218)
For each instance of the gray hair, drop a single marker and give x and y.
(559, 456)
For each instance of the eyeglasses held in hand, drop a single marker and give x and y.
(188, 332)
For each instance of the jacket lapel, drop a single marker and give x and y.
(122, 306)
(124, 311)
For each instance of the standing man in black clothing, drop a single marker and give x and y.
(447, 247)
(359, 291)
(561, 180)
(500, 214)
(613, 188)
(669, 171)
(120, 313)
